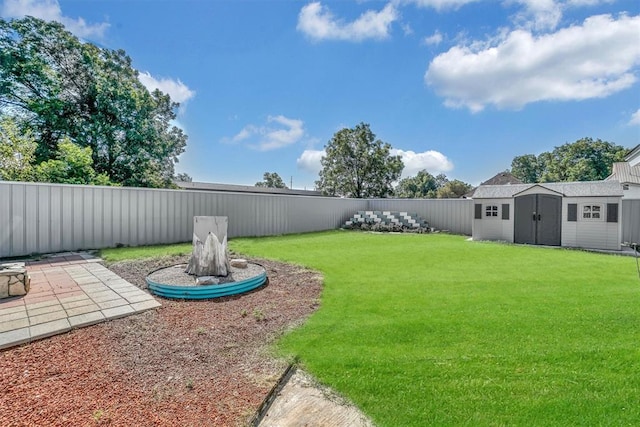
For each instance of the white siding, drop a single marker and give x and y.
(590, 233)
(494, 228)
(632, 193)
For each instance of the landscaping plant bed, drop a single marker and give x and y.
(192, 363)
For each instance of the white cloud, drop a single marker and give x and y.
(270, 137)
(433, 161)
(178, 91)
(539, 14)
(592, 60)
(580, 3)
(434, 39)
(317, 22)
(438, 4)
(49, 10)
(635, 118)
(246, 133)
(309, 160)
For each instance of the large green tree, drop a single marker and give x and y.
(421, 186)
(584, 160)
(358, 165)
(59, 87)
(527, 168)
(426, 186)
(453, 189)
(271, 180)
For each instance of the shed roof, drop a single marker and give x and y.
(625, 173)
(568, 189)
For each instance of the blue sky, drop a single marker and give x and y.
(455, 86)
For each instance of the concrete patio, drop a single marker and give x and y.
(68, 290)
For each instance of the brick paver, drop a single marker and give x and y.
(68, 290)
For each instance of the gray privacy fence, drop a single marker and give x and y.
(631, 221)
(454, 215)
(44, 218)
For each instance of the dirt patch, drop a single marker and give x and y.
(192, 363)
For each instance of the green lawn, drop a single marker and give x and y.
(140, 252)
(436, 330)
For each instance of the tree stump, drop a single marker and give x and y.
(209, 257)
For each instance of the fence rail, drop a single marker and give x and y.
(44, 218)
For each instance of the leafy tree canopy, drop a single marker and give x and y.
(57, 87)
(358, 165)
(184, 177)
(271, 180)
(17, 150)
(426, 186)
(73, 165)
(453, 189)
(583, 160)
(421, 186)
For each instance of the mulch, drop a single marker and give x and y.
(188, 363)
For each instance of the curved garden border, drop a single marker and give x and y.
(206, 291)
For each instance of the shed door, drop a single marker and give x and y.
(537, 219)
(524, 227)
(549, 220)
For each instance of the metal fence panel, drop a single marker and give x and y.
(41, 218)
(631, 221)
(454, 215)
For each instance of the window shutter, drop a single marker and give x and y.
(478, 208)
(505, 211)
(572, 212)
(612, 212)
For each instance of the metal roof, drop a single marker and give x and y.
(567, 189)
(625, 173)
(207, 186)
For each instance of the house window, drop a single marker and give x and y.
(592, 212)
(491, 211)
(625, 186)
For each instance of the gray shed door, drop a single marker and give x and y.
(537, 219)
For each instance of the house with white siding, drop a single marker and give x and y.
(571, 214)
(627, 173)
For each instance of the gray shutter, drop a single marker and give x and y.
(572, 212)
(612, 212)
(505, 211)
(478, 208)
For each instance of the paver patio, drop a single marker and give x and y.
(68, 290)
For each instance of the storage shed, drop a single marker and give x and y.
(572, 214)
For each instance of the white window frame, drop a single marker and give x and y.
(491, 211)
(592, 212)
